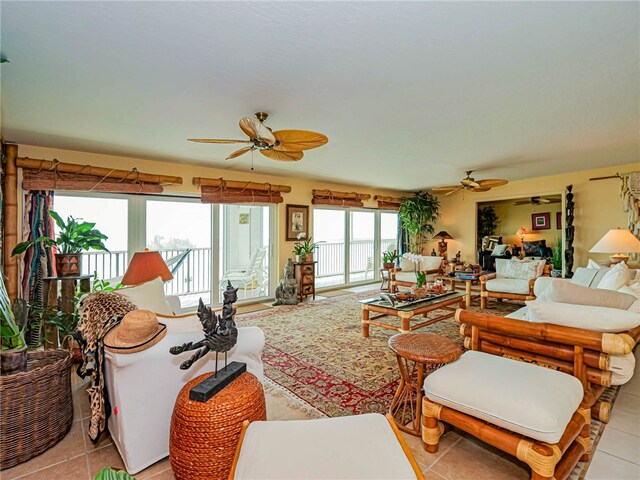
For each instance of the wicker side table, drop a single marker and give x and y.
(417, 354)
(204, 436)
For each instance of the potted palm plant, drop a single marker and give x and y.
(13, 347)
(304, 250)
(419, 214)
(74, 237)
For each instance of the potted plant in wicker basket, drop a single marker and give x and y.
(13, 347)
(73, 238)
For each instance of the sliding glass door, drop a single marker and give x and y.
(186, 233)
(351, 244)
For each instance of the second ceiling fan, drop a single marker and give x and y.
(470, 184)
(283, 145)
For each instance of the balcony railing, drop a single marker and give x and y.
(194, 274)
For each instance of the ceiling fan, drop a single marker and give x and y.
(537, 201)
(283, 145)
(471, 185)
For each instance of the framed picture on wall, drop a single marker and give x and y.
(540, 221)
(297, 221)
(558, 220)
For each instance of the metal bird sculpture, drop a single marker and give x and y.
(220, 331)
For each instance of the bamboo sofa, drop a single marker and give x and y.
(498, 285)
(538, 415)
(405, 275)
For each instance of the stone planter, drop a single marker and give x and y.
(388, 265)
(68, 264)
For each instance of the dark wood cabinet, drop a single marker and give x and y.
(306, 278)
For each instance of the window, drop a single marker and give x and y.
(329, 231)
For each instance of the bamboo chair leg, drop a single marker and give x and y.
(483, 302)
(431, 432)
(601, 410)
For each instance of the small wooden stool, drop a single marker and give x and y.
(204, 436)
(417, 354)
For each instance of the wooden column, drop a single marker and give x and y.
(11, 221)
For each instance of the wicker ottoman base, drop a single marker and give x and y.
(204, 436)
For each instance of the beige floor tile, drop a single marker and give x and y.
(104, 457)
(607, 467)
(69, 447)
(620, 444)
(431, 475)
(154, 469)
(426, 459)
(468, 460)
(625, 421)
(166, 475)
(75, 468)
(631, 388)
(627, 402)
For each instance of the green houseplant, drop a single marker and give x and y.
(488, 221)
(74, 238)
(13, 347)
(418, 215)
(556, 258)
(389, 258)
(304, 250)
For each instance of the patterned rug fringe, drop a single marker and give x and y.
(291, 399)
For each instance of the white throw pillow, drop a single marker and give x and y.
(148, 296)
(407, 265)
(631, 289)
(588, 317)
(616, 277)
(430, 262)
(594, 264)
(567, 292)
(499, 250)
(521, 270)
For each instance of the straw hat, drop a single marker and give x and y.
(137, 331)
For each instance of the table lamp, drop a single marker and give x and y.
(617, 241)
(442, 245)
(146, 266)
(521, 233)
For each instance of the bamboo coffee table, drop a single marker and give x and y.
(468, 280)
(449, 301)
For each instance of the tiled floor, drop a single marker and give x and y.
(461, 457)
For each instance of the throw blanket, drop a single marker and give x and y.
(98, 313)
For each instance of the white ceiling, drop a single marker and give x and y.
(409, 94)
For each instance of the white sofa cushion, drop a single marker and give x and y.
(507, 393)
(148, 296)
(622, 367)
(143, 387)
(352, 447)
(598, 319)
(521, 270)
(631, 289)
(617, 276)
(508, 285)
(427, 262)
(520, 314)
(567, 292)
(406, 276)
(407, 265)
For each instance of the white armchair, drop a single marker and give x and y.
(504, 284)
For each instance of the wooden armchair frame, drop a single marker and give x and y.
(547, 461)
(485, 294)
(553, 346)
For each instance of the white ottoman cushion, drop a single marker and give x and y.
(356, 447)
(520, 314)
(508, 285)
(523, 398)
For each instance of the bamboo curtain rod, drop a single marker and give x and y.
(388, 203)
(219, 190)
(341, 199)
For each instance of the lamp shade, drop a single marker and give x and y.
(443, 235)
(521, 231)
(146, 266)
(617, 240)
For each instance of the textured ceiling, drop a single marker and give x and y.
(409, 94)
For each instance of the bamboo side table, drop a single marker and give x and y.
(418, 354)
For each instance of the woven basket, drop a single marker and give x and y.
(36, 407)
(204, 436)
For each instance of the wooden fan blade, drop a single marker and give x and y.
(492, 182)
(550, 200)
(296, 140)
(469, 183)
(255, 129)
(445, 189)
(522, 202)
(282, 156)
(453, 191)
(237, 153)
(480, 189)
(216, 140)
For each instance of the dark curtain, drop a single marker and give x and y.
(38, 261)
(403, 241)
